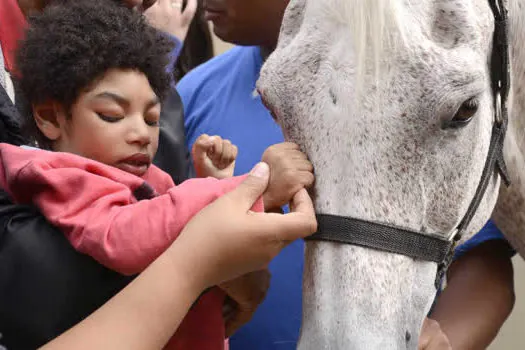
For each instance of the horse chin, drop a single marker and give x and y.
(358, 298)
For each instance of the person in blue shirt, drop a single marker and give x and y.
(219, 98)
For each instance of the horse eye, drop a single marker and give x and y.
(464, 114)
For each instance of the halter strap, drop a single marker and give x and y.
(382, 237)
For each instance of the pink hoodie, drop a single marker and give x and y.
(123, 221)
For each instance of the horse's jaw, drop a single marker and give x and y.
(358, 298)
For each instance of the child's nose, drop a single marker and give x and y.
(140, 134)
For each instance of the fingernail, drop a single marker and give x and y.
(260, 170)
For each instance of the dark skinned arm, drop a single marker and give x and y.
(479, 296)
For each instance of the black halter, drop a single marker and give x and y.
(432, 247)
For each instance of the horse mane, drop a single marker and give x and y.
(376, 27)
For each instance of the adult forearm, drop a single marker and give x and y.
(142, 316)
(479, 296)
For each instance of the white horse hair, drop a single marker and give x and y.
(376, 26)
(368, 88)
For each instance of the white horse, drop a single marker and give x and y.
(392, 102)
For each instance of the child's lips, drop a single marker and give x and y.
(137, 164)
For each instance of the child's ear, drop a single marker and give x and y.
(50, 117)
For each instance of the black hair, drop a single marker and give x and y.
(72, 44)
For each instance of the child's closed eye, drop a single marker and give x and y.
(152, 117)
(153, 122)
(109, 119)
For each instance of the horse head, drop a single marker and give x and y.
(394, 103)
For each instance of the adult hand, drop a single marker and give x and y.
(223, 241)
(168, 16)
(290, 171)
(432, 337)
(245, 294)
(226, 239)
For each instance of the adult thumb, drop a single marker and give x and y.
(253, 186)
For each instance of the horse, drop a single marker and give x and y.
(399, 106)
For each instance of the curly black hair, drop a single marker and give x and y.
(72, 44)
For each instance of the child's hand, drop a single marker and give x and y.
(214, 156)
(245, 294)
(290, 171)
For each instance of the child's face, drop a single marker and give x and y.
(116, 122)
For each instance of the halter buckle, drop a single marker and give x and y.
(444, 265)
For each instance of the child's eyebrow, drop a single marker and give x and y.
(112, 96)
(125, 102)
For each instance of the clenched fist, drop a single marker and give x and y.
(214, 156)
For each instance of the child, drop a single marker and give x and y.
(94, 74)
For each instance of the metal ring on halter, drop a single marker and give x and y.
(176, 4)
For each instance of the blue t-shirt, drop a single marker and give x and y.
(219, 98)
(489, 232)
